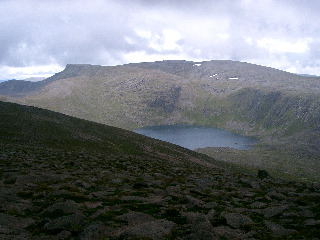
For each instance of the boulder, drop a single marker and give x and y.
(136, 218)
(237, 220)
(71, 223)
(224, 232)
(156, 230)
(68, 207)
(277, 230)
(94, 231)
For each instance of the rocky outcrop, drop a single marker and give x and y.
(166, 101)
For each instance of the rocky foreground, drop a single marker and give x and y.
(90, 181)
(66, 195)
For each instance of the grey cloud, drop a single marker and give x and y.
(103, 32)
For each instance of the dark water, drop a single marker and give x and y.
(192, 136)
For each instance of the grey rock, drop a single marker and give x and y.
(33, 178)
(68, 207)
(99, 212)
(192, 201)
(133, 198)
(173, 189)
(274, 211)
(71, 223)
(212, 214)
(116, 180)
(64, 235)
(276, 195)
(13, 224)
(258, 205)
(236, 219)
(312, 222)
(46, 237)
(101, 194)
(290, 214)
(306, 213)
(94, 231)
(277, 230)
(136, 218)
(156, 230)
(82, 184)
(229, 233)
(5, 230)
(201, 235)
(210, 205)
(252, 183)
(199, 221)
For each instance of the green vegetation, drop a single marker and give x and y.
(279, 161)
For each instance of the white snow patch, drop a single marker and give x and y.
(234, 78)
(214, 75)
(196, 64)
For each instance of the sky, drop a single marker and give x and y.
(39, 37)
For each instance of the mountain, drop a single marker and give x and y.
(279, 108)
(21, 88)
(66, 178)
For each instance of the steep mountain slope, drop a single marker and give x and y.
(280, 108)
(66, 178)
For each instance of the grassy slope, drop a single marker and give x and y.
(63, 176)
(39, 128)
(279, 162)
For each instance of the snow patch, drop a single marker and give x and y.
(214, 75)
(234, 78)
(196, 64)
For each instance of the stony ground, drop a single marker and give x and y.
(52, 194)
(66, 178)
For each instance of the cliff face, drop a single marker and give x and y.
(275, 109)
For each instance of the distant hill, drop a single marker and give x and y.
(3, 81)
(21, 88)
(67, 178)
(34, 79)
(280, 108)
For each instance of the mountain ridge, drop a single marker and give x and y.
(73, 70)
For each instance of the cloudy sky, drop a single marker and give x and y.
(39, 37)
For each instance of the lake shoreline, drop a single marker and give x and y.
(195, 136)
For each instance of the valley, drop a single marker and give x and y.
(281, 109)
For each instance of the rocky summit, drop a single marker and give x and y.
(66, 178)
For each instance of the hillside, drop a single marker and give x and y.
(67, 178)
(280, 108)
